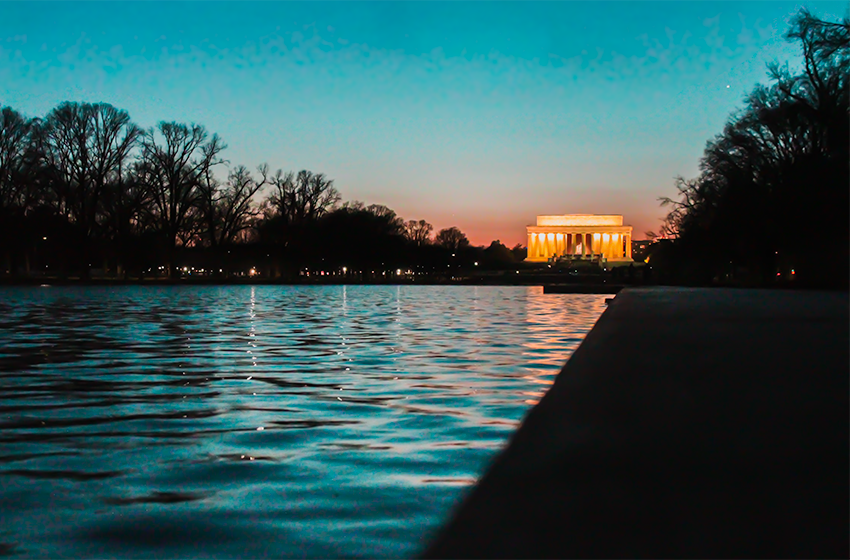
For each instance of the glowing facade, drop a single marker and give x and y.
(587, 236)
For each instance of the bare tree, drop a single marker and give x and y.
(418, 232)
(782, 158)
(452, 239)
(86, 149)
(175, 160)
(228, 210)
(19, 159)
(15, 145)
(394, 223)
(123, 212)
(303, 197)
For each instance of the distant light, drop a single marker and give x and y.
(45, 238)
(252, 272)
(476, 263)
(398, 272)
(344, 270)
(727, 87)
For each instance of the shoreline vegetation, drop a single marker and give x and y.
(772, 197)
(85, 192)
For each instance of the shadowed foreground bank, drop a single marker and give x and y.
(689, 423)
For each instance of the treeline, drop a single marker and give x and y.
(771, 201)
(84, 188)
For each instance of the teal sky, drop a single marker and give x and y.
(475, 114)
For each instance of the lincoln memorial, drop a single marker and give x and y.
(585, 236)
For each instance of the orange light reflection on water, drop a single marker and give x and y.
(555, 323)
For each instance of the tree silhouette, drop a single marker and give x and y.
(300, 198)
(174, 161)
(498, 255)
(418, 232)
(777, 175)
(140, 206)
(358, 236)
(19, 160)
(86, 150)
(15, 143)
(228, 209)
(452, 239)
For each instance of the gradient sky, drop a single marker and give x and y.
(476, 114)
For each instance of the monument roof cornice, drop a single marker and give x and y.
(579, 229)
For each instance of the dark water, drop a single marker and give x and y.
(146, 422)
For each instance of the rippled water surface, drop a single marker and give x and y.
(163, 422)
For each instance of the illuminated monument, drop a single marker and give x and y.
(585, 236)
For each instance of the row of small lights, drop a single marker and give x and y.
(307, 272)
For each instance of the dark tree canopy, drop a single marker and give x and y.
(175, 159)
(302, 197)
(418, 232)
(86, 189)
(772, 194)
(86, 150)
(452, 239)
(16, 161)
(228, 210)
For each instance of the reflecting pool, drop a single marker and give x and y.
(268, 421)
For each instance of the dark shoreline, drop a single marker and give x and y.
(555, 283)
(551, 283)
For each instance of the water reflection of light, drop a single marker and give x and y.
(552, 321)
(252, 331)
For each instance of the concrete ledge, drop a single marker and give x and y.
(598, 288)
(689, 423)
